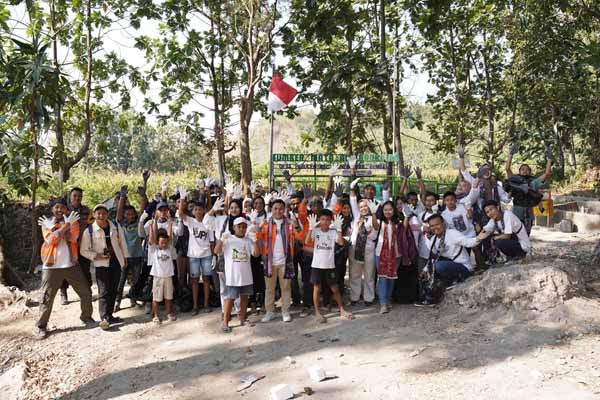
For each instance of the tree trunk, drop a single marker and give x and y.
(559, 143)
(491, 111)
(71, 162)
(397, 113)
(387, 116)
(245, 117)
(58, 123)
(34, 182)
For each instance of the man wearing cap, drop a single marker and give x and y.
(75, 204)
(103, 243)
(59, 255)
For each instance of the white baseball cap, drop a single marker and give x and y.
(240, 220)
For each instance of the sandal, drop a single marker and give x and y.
(347, 316)
(156, 321)
(226, 329)
(320, 319)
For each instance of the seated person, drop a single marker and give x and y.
(508, 232)
(449, 261)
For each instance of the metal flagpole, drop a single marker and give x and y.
(271, 174)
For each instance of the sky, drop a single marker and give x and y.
(415, 86)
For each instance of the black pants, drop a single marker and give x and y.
(510, 248)
(307, 287)
(108, 282)
(341, 262)
(296, 293)
(258, 278)
(134, 264)
(84, 264)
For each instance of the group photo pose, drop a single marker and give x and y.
(285, 252)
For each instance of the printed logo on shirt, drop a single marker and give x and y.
(199, 233)
(240, 256)
(163, 256)
(324, 242)
(459, 224)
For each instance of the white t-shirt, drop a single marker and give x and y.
(160, 225)
(237, 252)
(459, 220)
(512, 224)
(422, 241)
(200, 238)
(324, 253)
(278, 250)
(455, 244)
(161, 262)
(63, 256)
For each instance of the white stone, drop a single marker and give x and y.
(281, 392)
(317, 373)
(12, 381)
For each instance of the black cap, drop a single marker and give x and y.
(60, 201)
(162, 204)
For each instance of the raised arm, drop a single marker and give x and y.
(422, 188)
(152, 232)
(549, 162)
(182, 204)
(121, 205)
(461, 158)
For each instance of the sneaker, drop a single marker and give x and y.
(156, 321)
(172, 317)
(88, 323)
(269, 316)
(64, 300)
(305, 312)
(115, 320)
(117, 307)
(207, 310)
(424, 303)
(195, 312)
(368, 303)
(225, 329)
(383, 309)
(104, 324)
(39, 333)
(148, 307)
(286, 317)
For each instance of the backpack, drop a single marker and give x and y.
(528, 199)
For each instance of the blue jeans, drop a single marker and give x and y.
(200, 266)
(385, 286)
(451, 271)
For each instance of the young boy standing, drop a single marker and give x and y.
(160, 257)
(237, 250)
(323, 262)
(200, 249)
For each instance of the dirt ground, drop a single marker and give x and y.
(412, 353)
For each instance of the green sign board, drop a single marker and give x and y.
(333, 158)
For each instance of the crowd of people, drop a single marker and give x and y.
(244, 251)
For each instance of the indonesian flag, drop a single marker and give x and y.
(280, 93)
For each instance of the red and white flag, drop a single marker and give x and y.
(280, 93)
